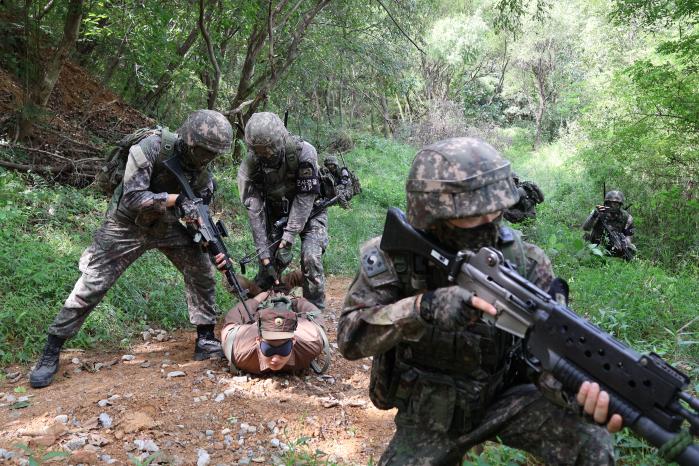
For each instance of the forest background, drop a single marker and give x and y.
(579, 95)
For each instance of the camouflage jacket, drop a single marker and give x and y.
(618, 220)
(380, 318)
(271, 193)
(141, 198)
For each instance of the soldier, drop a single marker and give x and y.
(344, 182)
(529, 196)
(456, 380)
(281, 334)
(144, 214)
(277, 178)
(619, 222)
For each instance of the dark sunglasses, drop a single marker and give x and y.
(282, 350)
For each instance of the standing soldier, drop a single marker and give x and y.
(456, 380)
(529, 196)
(279, 178)
(611, 224)
(144, 214)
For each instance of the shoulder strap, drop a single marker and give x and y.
(167, 144)
(512, 248)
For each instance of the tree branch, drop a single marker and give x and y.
(399, 27)
(213, 89)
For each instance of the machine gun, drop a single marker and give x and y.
(206, 232)
(278, 230)
(645, 390)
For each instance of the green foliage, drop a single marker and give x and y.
(36, 458)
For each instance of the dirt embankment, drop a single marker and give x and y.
(104, 407)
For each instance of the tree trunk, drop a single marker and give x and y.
(45, 80)
(212, 92)
(540, 78)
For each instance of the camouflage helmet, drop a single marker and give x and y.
(266, 130)
(331, 160)
(614, 196)
(458, 177)
(207, 129)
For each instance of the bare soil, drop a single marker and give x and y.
(232, 418)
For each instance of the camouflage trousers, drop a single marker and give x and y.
(116, 245)
(314, 241)
(521, 418)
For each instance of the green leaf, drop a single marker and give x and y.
(20, 389)
(19, 405)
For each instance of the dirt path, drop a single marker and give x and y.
(206, 411)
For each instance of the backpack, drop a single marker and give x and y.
(111, 174)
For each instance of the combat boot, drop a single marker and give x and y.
(207, 345)
(47, 365)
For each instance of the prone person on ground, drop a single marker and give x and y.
(145, 213)
(455, 380)
(282, 334)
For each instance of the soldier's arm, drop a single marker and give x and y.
(629, 229)
(139, 167)
(251, 197)
(307, 189)
(590, 221)
(375, 314)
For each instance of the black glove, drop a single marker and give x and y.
(448, 308)
(186, 209)
(266, 276)
(283, 257)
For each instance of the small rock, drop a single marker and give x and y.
(219, 446)
(239, 379)
(203, 457)
(275, 442)
(107, 459)
(82, 457)
(146, 336)
(365, 367)
(76, 443)
(22, 399)
(42, 441)
(196, 399)
(62, 418)
(219, 398)
(10, 398)
(209, 433)
(145, 364)
(135, 421)
(161, 337)
(128, 357)
(225, 431)
(230, 392)
(175, 374)
(114, 397)
(105, 420)
(146, 445)
(75, 361)
(244, 460)
(271, 425)
(103, 403)
(258, 459)
(13, 377)
(228, 441)
(6, 454)
(331, 403)
(97, 440)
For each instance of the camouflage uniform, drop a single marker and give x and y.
(342, 180)
(284, 184)
(529, 196)
(138, 220)
(618, 219)
(457, 386)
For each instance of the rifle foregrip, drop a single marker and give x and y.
(571, 377)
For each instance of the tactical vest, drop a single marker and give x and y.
(279, 184)
(161, 181)
(449, 376)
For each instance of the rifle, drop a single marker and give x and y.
(616, 239)
(278, 230)
(207, 232)
(645, 390)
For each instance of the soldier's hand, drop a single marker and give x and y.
(267, 276)
(221, 261)
(283, 256)
(453, 307)
(595, 402)
(601, 208)
(186, 209)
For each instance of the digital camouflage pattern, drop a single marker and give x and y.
(207, 129)
(139, 220)
(529, 196)
(442, 184)
(619, 221)
(614, 196)
(279, 178)
(457, 386)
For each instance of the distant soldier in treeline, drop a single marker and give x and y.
(611, 225)
(529, 196)
(346, 184)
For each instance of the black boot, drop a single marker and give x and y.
(47, 365)
(207, 346)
